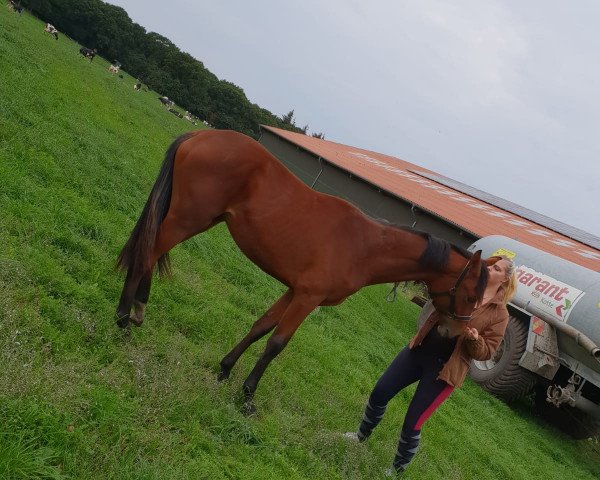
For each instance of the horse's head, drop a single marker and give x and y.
(455, 294)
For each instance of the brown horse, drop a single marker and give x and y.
(321, 247)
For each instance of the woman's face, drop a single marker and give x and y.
(498, 271)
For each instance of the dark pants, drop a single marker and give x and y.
(409, 366)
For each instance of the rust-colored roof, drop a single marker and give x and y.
(401, 179)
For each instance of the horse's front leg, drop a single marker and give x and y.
(261, 327)
(294, 315)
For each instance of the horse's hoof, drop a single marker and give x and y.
(123, 321)
(223, 375)
(138, 315)
(248, 409)
(137, 322)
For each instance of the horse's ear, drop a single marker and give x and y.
(491, 260)
(476, 263)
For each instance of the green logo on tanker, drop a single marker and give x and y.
(563, 308)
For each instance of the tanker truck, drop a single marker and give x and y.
(551, 345)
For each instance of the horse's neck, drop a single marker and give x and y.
(393, 256)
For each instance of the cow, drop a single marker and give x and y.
(88, 53)
(166, 102)
(51, 29)
(15, 7)
(176, 113)
(137, 87)
(114, 68)
(190, 118)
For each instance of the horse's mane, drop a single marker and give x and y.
(437, 254)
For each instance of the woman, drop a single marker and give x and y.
(439, 364)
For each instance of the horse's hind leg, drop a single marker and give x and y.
(170, 234)
(261, 327)
(135, 294)
(141, 298)
(124, 308)
(140, 284)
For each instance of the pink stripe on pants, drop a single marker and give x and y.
(435, 404)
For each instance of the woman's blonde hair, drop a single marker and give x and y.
(510, 284)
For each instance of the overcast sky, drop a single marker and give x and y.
(500, 95)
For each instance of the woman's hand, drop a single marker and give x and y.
(471, 334)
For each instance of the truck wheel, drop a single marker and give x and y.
(572, 421)
(502, 375)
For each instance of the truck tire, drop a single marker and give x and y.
(572, 421)
(502, 375)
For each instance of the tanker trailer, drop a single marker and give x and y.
(551, 344)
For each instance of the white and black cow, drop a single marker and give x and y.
(88, 53)
(51, 30)
(166, 102)
(15, 6)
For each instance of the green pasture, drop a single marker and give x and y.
(81, 399)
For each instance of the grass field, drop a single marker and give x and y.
(81, 399)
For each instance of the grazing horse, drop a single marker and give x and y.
(321, 247)
(88, 53)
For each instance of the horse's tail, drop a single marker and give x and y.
(141, 241)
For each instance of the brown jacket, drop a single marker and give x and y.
(490, 320)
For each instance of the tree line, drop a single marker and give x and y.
(159, 64)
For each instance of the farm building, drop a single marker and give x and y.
(403, 193)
